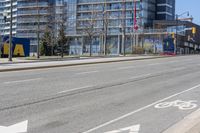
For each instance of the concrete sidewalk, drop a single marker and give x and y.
(190, 124)
(41, 59)
(35, 64)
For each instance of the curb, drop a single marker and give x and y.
(36, 61)
(190, 124)
(76, 64)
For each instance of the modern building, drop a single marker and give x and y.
(187, 41)
(5, 17)
(113, 18)
(165, 9)
(117, 18)
(31, 17)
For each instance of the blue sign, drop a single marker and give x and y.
(168, 45)
(20, 47)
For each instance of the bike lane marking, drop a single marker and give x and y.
(180, 104)
(131, 129)
(22, 81)
(20, 127)
(139, 110)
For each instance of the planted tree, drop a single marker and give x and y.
(90, 29)
(62, 38)
(46, 42)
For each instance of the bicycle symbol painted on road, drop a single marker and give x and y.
(182, 105)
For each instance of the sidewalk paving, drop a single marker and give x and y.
(23, 64)
(190, 124)
(195, 129)
(35, 59)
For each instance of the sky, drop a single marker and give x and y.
(193, 6)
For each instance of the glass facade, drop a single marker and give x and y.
(71, 16)
(114, 11)
(165, 9)
(5, 25)
(116, 15)
(28, 13)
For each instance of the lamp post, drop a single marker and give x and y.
(38, 32)
(177, 20)
(10, 37)
(4, 14)
(119, 39)
(124, 27)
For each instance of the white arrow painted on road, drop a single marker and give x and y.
(16, 128)
(131, 129)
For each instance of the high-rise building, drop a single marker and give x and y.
(116, 12)
(165, 9)
(71, 16)
(111, 16)
(28, 14)
(79, 11)
(116, 17)
(5, 7)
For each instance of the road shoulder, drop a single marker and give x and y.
(190, 124)
(43, 65)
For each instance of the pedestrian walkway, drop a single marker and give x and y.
(15, 60)
(35, 59)
(190, 124)
(22, 64)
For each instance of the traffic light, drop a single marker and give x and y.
(173, 35)
(194, 30)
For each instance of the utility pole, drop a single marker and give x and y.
(10, 37)
(124, 27)
(105, 26)
(38, 32)
(176, 46)
(177, 24)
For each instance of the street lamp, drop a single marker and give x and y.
(5, 15)
(119, 38)
(38, 28)
(124, 27)
(10, 37)
(177, 20)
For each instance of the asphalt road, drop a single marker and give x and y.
(102, 98)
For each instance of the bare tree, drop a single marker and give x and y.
(106, 21)
(89, 28)
(62, 38)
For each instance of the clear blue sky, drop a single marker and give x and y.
(193, 6)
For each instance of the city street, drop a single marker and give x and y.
(141, 96)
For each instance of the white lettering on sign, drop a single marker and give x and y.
(16, 128)
(182, 105)
(131, 129)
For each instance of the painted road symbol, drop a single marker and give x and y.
(16, 128)
(131, 129)
(182, 105)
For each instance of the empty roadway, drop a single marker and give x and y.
(101, 97)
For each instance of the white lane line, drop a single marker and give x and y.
(75, 89)
(139, 110)
(173, 61)
(89, 72)
(141, 76)
(152, 74)
(128, 67)
(154, 64)
(21, 81)
(179, 68)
